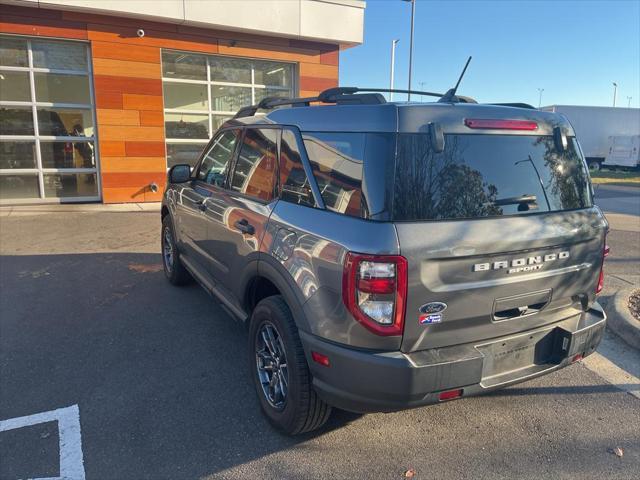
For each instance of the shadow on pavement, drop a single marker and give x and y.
(159, 373)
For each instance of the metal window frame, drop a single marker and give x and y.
(37, 139)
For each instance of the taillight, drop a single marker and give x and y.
(374, 290)
(486, 123)
(605, 254)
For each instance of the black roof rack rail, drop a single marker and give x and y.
(339, 95)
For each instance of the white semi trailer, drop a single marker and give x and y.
(609, 136)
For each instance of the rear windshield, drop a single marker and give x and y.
(486, 175)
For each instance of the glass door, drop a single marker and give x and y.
(47, 122)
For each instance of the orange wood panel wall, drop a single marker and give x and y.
(128, 82)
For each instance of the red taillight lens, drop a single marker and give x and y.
(605, 254)
(450, 395)
(374, 290)
(485, 123)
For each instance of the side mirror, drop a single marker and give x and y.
(560, 139)
(436, 136)
(179, 173)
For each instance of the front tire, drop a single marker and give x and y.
(280, 372)
(173, 268)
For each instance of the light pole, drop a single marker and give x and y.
(629, 102)
(413, 12)
(393, 66)
(422, 89)
(615, 93)
(540, 90)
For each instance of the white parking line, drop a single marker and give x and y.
(68, 418)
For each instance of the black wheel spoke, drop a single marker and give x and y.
(271, 364)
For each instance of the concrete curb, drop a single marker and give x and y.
(620, 320)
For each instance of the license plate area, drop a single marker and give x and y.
(520, 356)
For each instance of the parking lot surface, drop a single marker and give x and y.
(159, 376)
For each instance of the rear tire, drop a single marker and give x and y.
(300, 409)
(173, 268)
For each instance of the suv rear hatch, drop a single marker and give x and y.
(498, 230)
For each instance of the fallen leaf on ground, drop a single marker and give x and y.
(618, 452)
(410, 473)
(145, 267)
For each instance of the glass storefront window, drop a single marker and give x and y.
(57, 88)
(65, 122)
(47, 144)
(13, 52)
(218, 87)
(14, 86)
(17, 155)
(16, 121)
(230, 99)
(184, 65)
(188, 153)
(185, 96)
(182, 125)
(59, 55)
(64, 185)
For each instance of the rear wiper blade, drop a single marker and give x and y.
(515, 200)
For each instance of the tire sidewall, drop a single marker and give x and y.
(286, 417)
(167, 225)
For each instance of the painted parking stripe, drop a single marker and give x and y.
(68, 419)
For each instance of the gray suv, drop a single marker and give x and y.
(391, 255)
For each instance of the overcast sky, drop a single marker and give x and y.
(572, 49)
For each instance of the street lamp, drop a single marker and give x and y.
(629, 102)
(540, 90)
(615, 92)
(393, 66)
(413, 12)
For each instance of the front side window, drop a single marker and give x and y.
(336, 160)
(255, 172)
(201, 92)
(213, 169)
(486, 176)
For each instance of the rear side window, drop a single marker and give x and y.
(486, 175)
(255, 171)
(213, 169)
(294, 183)
(336, 160)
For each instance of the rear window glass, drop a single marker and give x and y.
(336, 160)
(294, 184)
(486, 175)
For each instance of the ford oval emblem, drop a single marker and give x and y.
(433, 307)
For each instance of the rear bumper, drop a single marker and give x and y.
(362, 381)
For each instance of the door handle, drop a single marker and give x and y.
(244, 226)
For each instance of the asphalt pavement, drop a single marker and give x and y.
(151, 381)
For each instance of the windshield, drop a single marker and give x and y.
(486, 175)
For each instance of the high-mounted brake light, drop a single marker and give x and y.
(605, 253)
(374, 290)
(490, 124)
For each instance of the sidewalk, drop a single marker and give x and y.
(28, 210)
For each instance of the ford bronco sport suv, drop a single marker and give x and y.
(391, 255)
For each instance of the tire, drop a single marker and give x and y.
(173, 268)
(300, 409)
(594, 165)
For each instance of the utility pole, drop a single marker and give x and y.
(615, 93)
(413, 12)
(393, 66)
(540, 90)
(629, 102)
